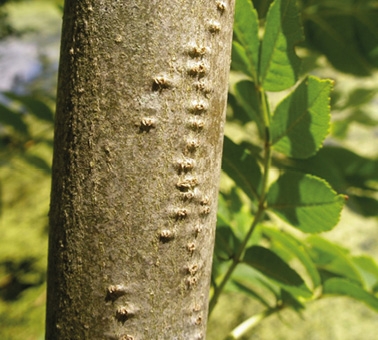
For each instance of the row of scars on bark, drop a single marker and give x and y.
(185, 167)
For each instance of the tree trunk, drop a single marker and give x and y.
(138, 140)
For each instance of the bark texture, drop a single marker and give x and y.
(139, 127)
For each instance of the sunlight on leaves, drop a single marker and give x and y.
(301, 121)
(246, 29)
(306, 202)
(279, 65)
(271, 265)
(337, 286)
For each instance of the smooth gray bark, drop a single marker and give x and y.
(139, 127)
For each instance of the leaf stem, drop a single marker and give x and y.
(251, 322)
(265, 112)
(264, 108)
(235, 260)
(267, 165)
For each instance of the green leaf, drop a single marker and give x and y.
(13, 119)
(332, 259)
(235, 112)
(366, 28)
(239, 59)
(223, 211)
(239, 164)
(244, 286)
(357, 170)
(368, 270)
(226, 243)
(38, 162)
(301, 121)
(336, 286)
(35, 106)
(306, 202)
(233, 212)
(252, 277)
(366, 206)
(279, 65)
(360, 96)
(360, 115)
(291, 301)
(335, 28)
(262, 7)
(245, 92)
(345, 171)
(282, 241)
(276, 269)
(246, 28)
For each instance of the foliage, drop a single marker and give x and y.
(10, 27)
(26, 131)
(286, 173)
(345, 31)
(286, 186)
(26, 145)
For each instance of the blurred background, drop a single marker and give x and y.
(29, 52)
